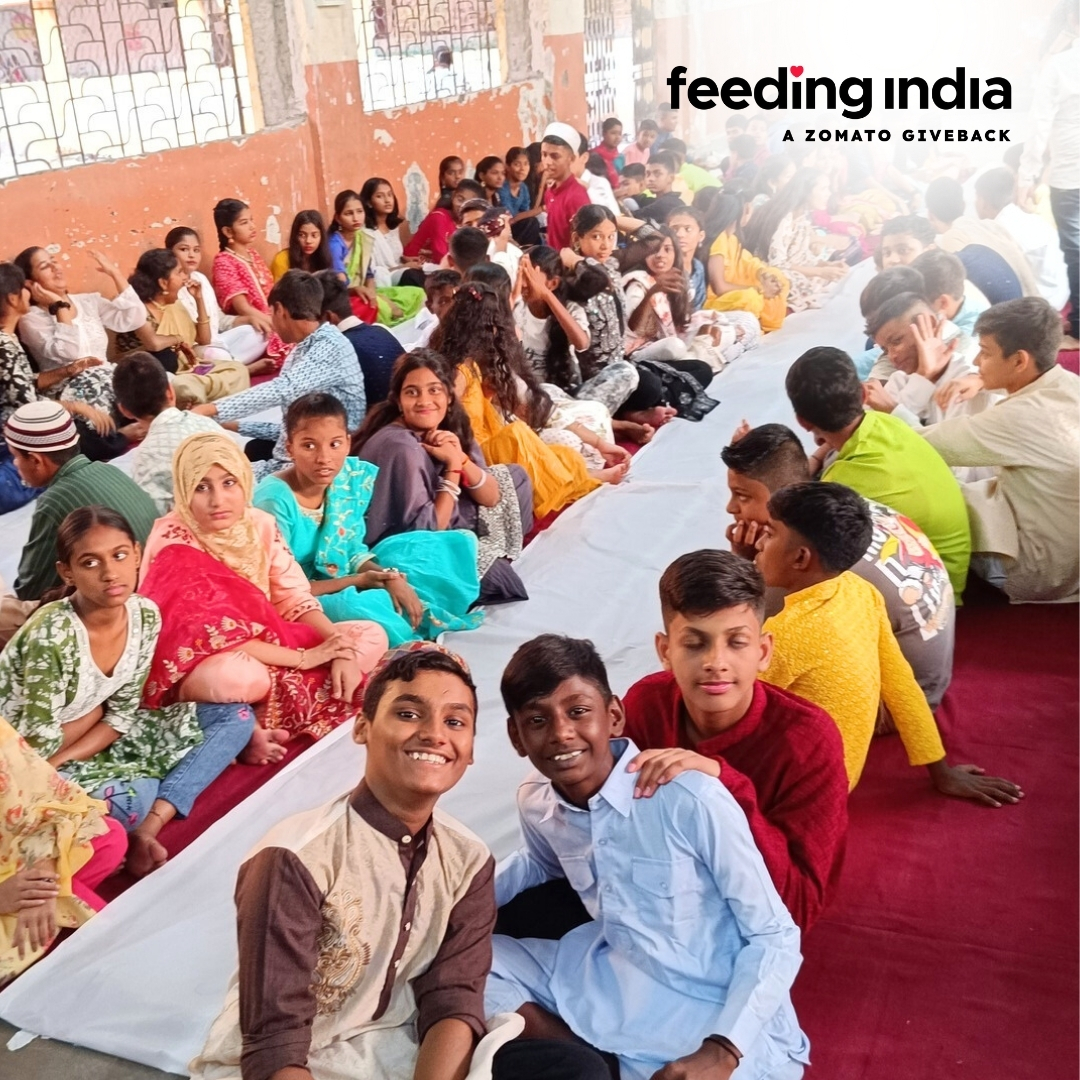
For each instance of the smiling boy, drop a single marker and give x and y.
(780, 756)
(364, 925)
(685, 972)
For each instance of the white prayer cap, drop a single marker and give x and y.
(569, 134)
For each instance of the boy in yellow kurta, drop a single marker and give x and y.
(833, 645)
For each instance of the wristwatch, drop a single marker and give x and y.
(56, 306)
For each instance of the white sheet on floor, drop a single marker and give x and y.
(145, 978)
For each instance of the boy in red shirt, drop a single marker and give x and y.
(560, 148)
(780, 756)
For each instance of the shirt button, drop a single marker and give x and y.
(603, 842)
(406, 839)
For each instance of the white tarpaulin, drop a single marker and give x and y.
(144, 979)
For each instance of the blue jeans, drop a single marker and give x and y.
(13, 492)
(226, 731)
(1065, 205)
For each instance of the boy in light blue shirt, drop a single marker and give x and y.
(686, 968)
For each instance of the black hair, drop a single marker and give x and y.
(634, 171)
(704, 582)
(772, 168)
(341, 200)
(535, 177)
(300, 294)
(393, 219)
(80, 521)
(789, 199)
(824, 389)
(895, 307)
(726, 210)
(539, 666)
(558, 363)
(140, 384)
(225, 213)
(942, 272)
(910, 225)
(335, 295)
(673, 145)
(945, 199)
(486, 164)
(478, 190)
(174, 236)
(153, 267)
(648, 125)
(442, 279)
(22, 260)
(468, 246)
(635, 257)
(664, 160)
(596, 165)
(588, 217)
(1029, 323)
(690, 212)
(479, 326)
(320, 258)
(610, 123)
(745, 146)
(581, 148)
(514, 153)
(834, 520)
(12, 281)
(386, 412)
(891, 282)
(405, 667)
(445, 164)
(771, 454)
(315, 406)
(492, 274)
(997, 187)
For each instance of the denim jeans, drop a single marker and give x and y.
(226, 731)
(13, 492)
(1065, 205)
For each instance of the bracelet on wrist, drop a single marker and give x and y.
(300, 662)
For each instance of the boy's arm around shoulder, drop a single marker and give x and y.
(279, 916)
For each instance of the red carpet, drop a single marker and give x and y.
(951, 949)
(1070, 361)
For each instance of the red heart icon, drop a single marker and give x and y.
(797, 71)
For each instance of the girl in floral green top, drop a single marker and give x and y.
(71, 683)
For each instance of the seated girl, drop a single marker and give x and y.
(56, 846)
(503, 400)
(231, 336)
(351, 249)
(782, 232)
(239, 622)
(451, 173)
(738, 281)
(389, 233)
(72, 677)
(517, 196)
(491, 173)
(309, 246)
(431, 241)
(242, 280)
(170, 335)
(414, 585)
(20, 385)
(432, 475)
(67, 334)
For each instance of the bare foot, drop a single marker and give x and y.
(145, 854)
(260, 367)
(656, 417)
(613, 474)
(265, 747)
(631, 432)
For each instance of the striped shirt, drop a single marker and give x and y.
(79, 482)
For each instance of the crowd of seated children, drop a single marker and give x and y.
(878, 455)
(308, 249)
(242, 280)
(431, 239)
(413, 584)
(71, 682)
(783, 235)
(1024, 517)
(432, 475)
(900, 562)
(56, 846)
(239, 622)
(320, 358)
(686, 922)
(833, 644)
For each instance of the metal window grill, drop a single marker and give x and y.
(600, 65)
(93, 80)
(399, 44)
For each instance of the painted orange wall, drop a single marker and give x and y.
(125, 207)
(568, 84)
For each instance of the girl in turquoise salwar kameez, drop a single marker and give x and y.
(415, 585)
